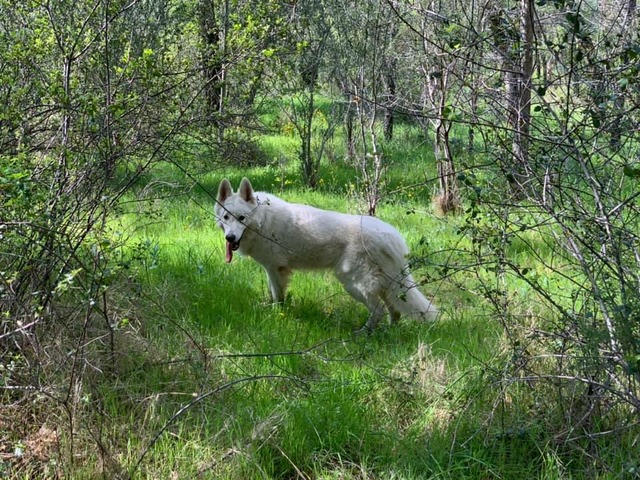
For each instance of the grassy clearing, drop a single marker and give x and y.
(230, 386)
(212, 381)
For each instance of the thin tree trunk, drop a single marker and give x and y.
(373, 186)
(212, 54)
(448, 199)
(109, 159)
(617, 127)
(390, 84)
(351, 105)
(309, 171)
(519, 74)
(436, 80)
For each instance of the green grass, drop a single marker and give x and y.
(338, 405)
(218, 382)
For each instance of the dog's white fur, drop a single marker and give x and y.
(367, 255)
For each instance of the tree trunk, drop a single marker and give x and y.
(390, 63)
(447, 200)
(213, 32)
(628, 31)
(519, 74)
(351, 105)
(373, 181)
(390, 85)
(109, 134)
(309, 169)
(436, 80)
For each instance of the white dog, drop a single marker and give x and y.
(367, 255)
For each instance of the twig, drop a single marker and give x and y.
(199, 399)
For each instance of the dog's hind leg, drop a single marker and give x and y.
(375, 315)
(371, 300)
(394, 314)
(278, 281)
(360, 281)
(376, 312)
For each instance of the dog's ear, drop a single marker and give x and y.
(224, 190)
(246, 191)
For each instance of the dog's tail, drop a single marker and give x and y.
(410, 301)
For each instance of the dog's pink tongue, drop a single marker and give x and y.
(229, 256)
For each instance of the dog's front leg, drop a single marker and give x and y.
(278, 280)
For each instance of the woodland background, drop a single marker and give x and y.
(511, 126)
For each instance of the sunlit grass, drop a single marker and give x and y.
(232, 386)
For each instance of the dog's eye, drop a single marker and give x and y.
(225, 217)
(241, 218)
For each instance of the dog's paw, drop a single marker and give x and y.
(363, 330)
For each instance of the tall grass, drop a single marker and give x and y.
(227, 385)
(213, 381)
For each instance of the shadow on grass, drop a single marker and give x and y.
(317, 401)
(342, 406)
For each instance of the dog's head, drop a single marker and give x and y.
(233, 213)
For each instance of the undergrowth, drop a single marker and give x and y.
(201, 377)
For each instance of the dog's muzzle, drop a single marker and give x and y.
(233, 244)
